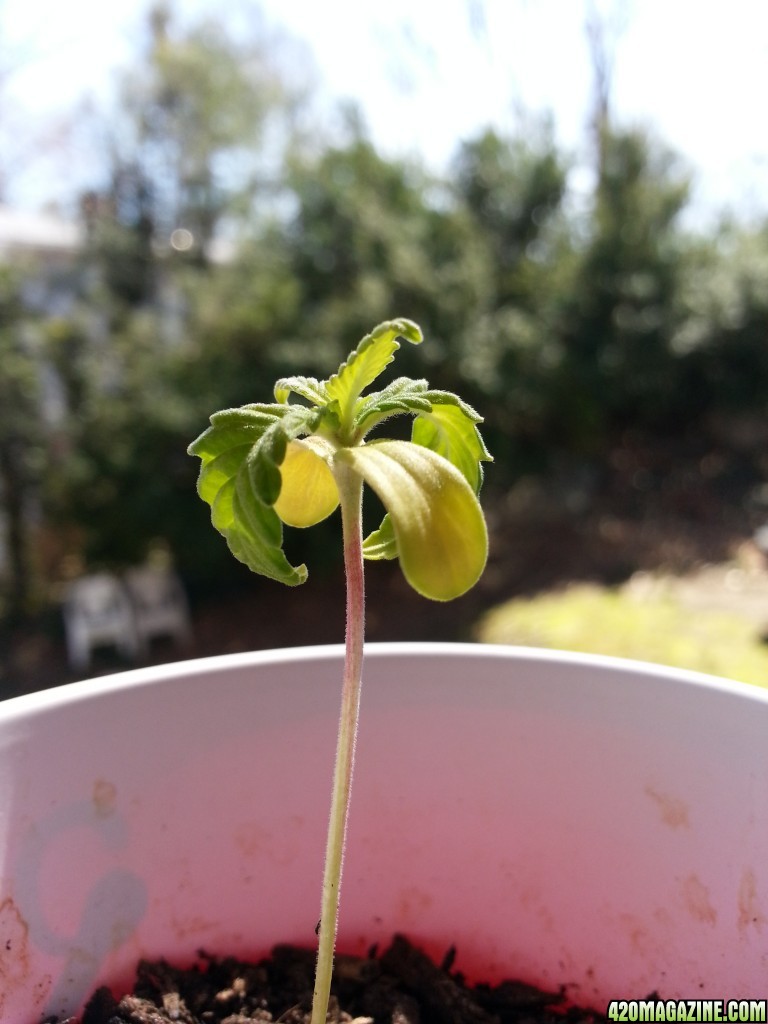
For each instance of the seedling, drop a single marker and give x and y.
(294, 462)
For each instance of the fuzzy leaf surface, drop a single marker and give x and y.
(381, 544)
(362, 366)
(442, 541)
(310, 388)
(401, 396)
(240, 479)
(450, 429)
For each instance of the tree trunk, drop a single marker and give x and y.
(13, 490)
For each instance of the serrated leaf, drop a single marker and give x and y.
(381, 544)
(306, 387)
(234, 426)
(252, 530)
(249, 415)
(402, 395)
(268, 453)
(442, 541)
(255, 538)
(265, 464)
(216, 441)
(450, 429)
(240, 478)
(362, 366)
(263, 461)
(215, 472)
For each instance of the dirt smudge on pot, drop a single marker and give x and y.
(412, 902)
(254, 840)
(192, 926)
(697, 901)
(14, 952)
(104, 798)
(750, 914)
(641, 937)
(674, 812)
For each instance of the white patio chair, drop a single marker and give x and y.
(98, 612)
(159, 604)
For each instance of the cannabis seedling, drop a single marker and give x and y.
(293, 462)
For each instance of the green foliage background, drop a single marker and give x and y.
(619, 623)
(570, 321)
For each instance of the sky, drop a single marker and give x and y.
(428, 73)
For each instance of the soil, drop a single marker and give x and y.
(401, 986)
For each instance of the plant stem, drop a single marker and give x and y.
(350, 485)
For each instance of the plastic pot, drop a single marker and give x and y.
(568, 820)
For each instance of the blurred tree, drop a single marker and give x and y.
(603, 28)
(120, 475)
(21, 444)
(619, 366)
(512, 188)
(513, 191)
(474, 259)
(242, 325)
(191, 130)
(119, 230)
(564, 328)
(357, 241)
(723, 323)
(191, 144)
(166, 328)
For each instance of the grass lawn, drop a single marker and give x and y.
(651, 623)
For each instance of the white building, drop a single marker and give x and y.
(46, 235)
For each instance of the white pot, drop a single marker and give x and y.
(568, 820)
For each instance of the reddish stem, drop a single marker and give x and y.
(350, 486)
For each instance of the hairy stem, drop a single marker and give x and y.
(350, 486)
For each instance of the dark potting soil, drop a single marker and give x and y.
(401, 986)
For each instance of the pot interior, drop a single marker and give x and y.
(591, 823)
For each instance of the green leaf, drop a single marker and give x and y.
(253, 531)
(374, 353)
(240, 479)
(269, 451)
(263, 461)
(442, 540)
(381, 544)
(234, 426)
(216, 472)
(402, 395)
(309, 493)
(255, 538)
(306, 387)
(265, 464)
(450, 429)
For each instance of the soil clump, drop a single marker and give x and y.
(400, 986)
